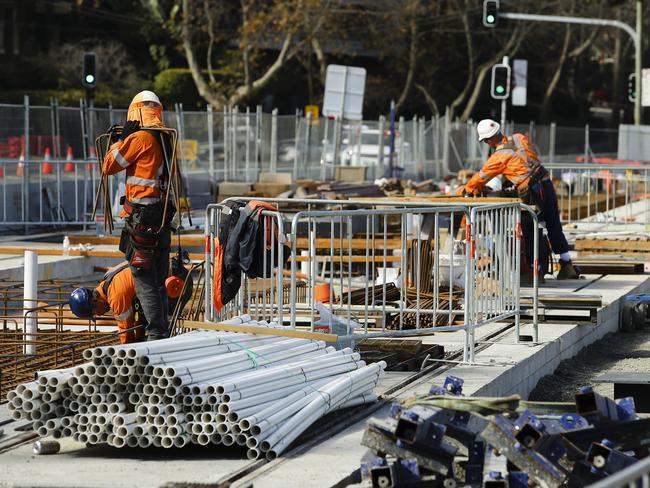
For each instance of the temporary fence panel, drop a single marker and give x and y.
(611, 193)
(393, 271)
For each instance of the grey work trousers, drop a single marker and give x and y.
(150, 287)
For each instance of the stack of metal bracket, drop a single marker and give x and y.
(446, 439)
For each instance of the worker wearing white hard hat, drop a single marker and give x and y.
(139, 150)
(515, 158)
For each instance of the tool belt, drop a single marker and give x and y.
(540, 174)
(140, 239)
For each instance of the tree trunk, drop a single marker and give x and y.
(470, 61)
(408, 84)
(550, 89)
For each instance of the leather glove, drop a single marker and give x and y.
(461, 192)
(129, 128)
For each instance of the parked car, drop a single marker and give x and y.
(365, 150)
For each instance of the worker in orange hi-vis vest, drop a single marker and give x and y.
(117, 293)
(515, 159)
(145, 240)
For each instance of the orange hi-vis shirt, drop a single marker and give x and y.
(514, 158)
(121, 297)
(142, 157)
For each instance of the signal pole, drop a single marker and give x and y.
(505, 60)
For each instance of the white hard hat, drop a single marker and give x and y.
(146, 96)
(487, 128)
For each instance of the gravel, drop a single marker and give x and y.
(617, 352)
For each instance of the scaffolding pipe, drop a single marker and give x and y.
(30, 301)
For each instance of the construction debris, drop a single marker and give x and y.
(201, 387)
(471, 441)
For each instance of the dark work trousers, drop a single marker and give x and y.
(150, 287)
(543, 195)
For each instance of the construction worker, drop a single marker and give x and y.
(117, 293)
(515, 159)
(146, 238)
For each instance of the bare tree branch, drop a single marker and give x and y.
(550, 89)
(433, 106)
(511, 48)
(408, 84)
(470, 59)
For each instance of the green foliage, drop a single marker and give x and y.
(175, 85)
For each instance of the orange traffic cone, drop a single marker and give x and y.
(47, 167)
(92, 156)
(68, 167)
(20, 169)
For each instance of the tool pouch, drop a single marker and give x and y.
(124, 242)
(143, 250)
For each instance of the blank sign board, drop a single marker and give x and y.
(344, 90)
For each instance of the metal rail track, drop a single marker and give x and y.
(329, 428)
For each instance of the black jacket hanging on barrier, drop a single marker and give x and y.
(245, 244)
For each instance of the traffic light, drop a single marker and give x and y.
(89, 75)
(490, 13)
(500, 89)
(631, 87)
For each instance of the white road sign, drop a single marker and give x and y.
(344, 90)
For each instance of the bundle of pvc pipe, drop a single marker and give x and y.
(202, 387)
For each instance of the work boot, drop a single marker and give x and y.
(155, 335)
(568, 271)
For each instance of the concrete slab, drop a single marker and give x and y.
(504, 368)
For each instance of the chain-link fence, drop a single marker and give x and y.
(236, 145)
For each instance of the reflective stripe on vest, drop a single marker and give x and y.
(136, 180)
(120, 159)
(145, 200)
(125, 315)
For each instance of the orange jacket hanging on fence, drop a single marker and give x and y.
(140, 154)
(118, 289)
(514, 158)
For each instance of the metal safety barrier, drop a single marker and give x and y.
(602, 193)
(391, 271)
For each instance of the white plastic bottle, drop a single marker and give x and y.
(66, 246)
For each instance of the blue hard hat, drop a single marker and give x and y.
(81, 303)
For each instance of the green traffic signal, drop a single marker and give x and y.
(500, 89)
(490, 19)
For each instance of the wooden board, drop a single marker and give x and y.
(252, 329)
(97, 253)
(628, 243)
(601, 266)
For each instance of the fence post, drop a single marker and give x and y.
(337, 143)
(531, 131)
(225, 144)
(445, 144)
(586, 155)
(258, 139)
(56, 150)
(26, 169)
(323, 157)
(210, 121)
(306, 162)
(274, 141)
(401, 126)
(551, 143)
(296, 140)
(234, 126)
(380, 154)
(248, 141)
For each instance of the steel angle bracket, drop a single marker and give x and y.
(439, 462)
(499, 434)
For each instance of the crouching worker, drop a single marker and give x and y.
(515, 159)
(117, 293)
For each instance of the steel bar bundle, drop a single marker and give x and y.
(201, 387)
